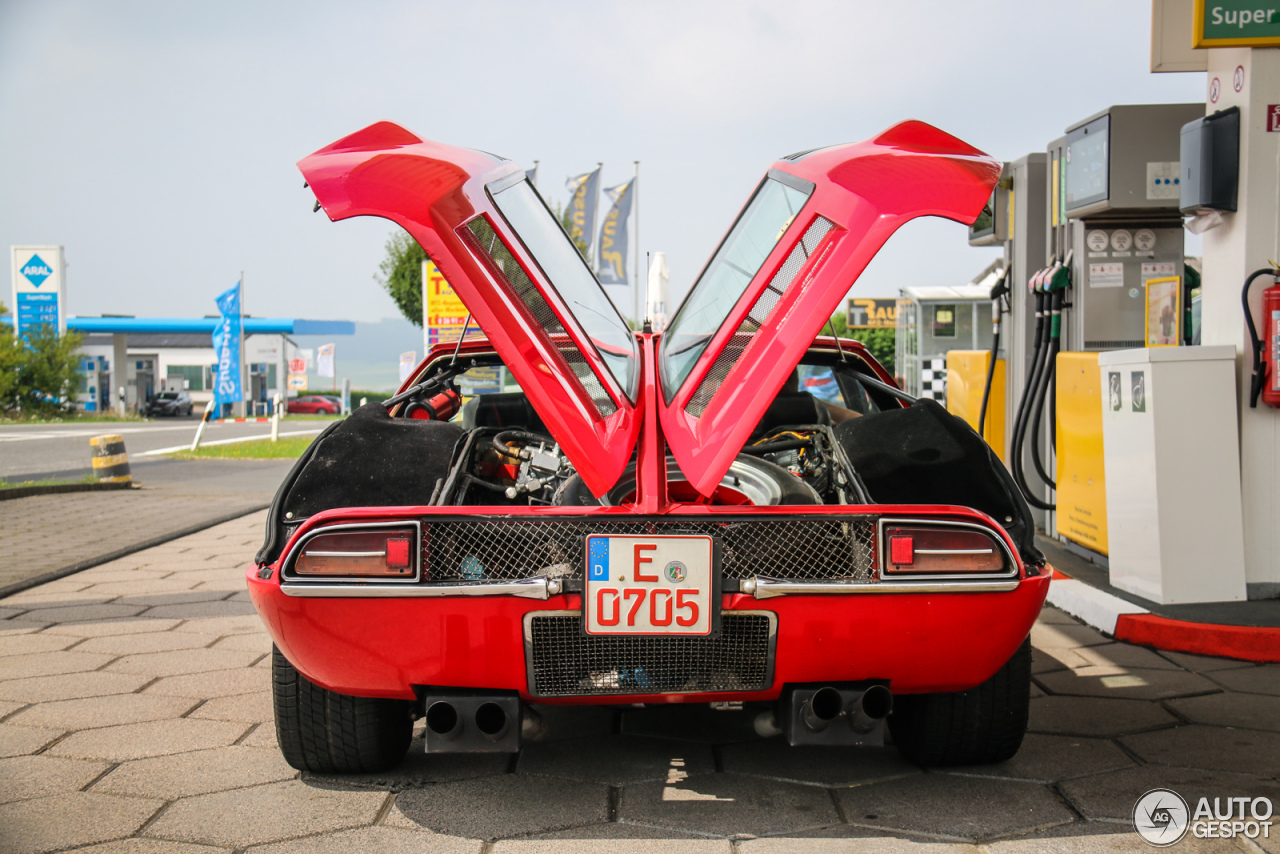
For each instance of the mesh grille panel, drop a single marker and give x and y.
(764, 306)
(801, 549)
(524, 288)
(563, 662)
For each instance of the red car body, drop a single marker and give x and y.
(363, 638)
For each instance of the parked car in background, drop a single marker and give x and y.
(313, 404)
(170, 403)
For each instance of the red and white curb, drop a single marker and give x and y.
(241, 420)
(1134, 624)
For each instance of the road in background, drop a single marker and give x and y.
(39, 451)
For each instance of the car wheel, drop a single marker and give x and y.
(982, 725)
(329, 733)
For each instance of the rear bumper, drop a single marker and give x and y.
(383, 647)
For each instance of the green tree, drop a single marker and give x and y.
(40, 373)
(880, 342)
(400, 275)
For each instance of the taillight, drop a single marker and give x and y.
(380, 553)
(921, 550)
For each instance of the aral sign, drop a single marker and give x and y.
(1236, 23)
(39, 288)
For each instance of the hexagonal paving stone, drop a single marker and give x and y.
(72, 613)
(134, 644)
(264, 736)
(1250, 711)
(622, 844)
(953, 805)
(173, 597)
(105, 628)
(199, 772)
(417, 768)
(135, 586)
(25, 643)
(624, 834)
(513, 805)
(21, 740)
(222, 625)
(1050, 614)
(7, 708)
(1204, 663)
(1050, 758)
(1252, 680)
(65, 821)
(692, 722)
(1124, 655)
(728, 805)
(1086, 837)
(1049, 660)
(156, 738)
(23, 777)
(250, 708)
(384, 840)
(852, 840)
(1089, 716)
(1126, 683)
(1212, 748)
(112, 710)
(137, 845)
(43, 689)
(215, 683)
(215, 608)
(270, 813)
(616, 760)
(183, 661)
(49, 664)
(819, 766)
(41, 597)
(259, 642)
(1065, 636)
(1111, 796)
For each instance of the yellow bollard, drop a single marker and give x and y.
(110, 460)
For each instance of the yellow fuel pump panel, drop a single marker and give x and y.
(966, 377)
(1082, 488)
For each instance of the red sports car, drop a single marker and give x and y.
(650, 518)
(313, 405)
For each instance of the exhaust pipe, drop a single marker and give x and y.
(492, 721)
(444, 721)
(871, 707)
(821, 709)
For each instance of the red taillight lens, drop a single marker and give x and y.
(942, 550)
(387, 553)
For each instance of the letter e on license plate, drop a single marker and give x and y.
(660, 585)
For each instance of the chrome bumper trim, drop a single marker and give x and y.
(540, 587)
(767, 588)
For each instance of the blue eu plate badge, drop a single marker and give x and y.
(598, 558)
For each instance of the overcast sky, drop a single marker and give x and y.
(156, 141)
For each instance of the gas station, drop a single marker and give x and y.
(1135, 403)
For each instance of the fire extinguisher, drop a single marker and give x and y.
(1266, 350)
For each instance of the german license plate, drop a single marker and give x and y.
(659, 585)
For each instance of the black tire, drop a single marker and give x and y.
(975, 727)
(329, 733)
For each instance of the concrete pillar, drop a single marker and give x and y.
(119, 370)
(1242, 244)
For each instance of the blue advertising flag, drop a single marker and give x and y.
(226, 347)
(584, 190)
(611, 256)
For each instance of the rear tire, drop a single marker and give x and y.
(975, 727)
(329, 733)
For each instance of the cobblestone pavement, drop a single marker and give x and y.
(42, 533)
(135, 716)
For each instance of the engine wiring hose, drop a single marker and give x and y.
(1028, 389)
(502, 441)
(1050, 371)
(998, 292)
